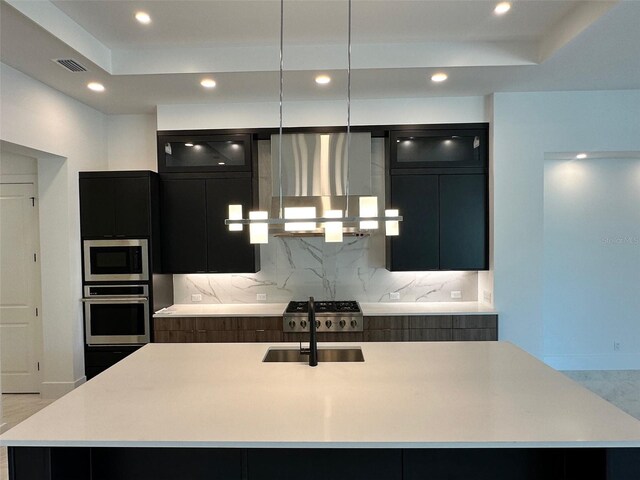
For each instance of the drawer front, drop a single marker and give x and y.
(475, 334)
(386, 323)
(430, 335)
(386, 335)
(475, 321)
(216, 324)
(430, 321)
(174, 323)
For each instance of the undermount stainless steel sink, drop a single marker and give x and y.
(324, 355)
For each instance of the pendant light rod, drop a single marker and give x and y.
(281, 96)
(346, 213)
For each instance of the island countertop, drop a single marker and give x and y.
(404, 395)
(368, 309)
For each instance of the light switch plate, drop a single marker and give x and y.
(456, 294)
(261, 297)
(196, 297)
(394, 295)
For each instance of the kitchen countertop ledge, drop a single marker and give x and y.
(404, 395)
(368, 309)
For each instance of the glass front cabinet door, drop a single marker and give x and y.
(206, 153)
(438, 148)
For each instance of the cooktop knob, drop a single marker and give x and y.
(317, 323)
(343, 323)
(354, 323)
(303, 324)
(328, 323)
(292, 324)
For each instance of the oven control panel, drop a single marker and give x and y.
(323, 324)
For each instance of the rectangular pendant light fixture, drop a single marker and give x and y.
(368, 208)
(333, 230)
(258, 232)
(235, 213)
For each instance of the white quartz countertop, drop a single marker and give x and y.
(368, 309)
(404, 395)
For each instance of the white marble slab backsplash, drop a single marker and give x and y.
(296, 268)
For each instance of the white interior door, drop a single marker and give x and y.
(20, 329)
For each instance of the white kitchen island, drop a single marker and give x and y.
(409, 408)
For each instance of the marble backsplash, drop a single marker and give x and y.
(296, 268)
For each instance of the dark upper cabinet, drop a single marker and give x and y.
(228, 252)
(115, 204)
(194, 236)
(208, 153)
(184, 226)
(445, 223)
(437, 178)
(416, 248)
(443, 148)
(463, 222)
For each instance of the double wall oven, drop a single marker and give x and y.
(116, 292)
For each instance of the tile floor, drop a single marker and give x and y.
(622, 388)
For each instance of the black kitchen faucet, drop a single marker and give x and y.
(312, 351)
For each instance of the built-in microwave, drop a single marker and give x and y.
(116, 314)
(116, 260)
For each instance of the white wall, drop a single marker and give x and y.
(525, 126)
(592, 262)
(16, 164)
(65, 136)
(302, 114)
(131, 142)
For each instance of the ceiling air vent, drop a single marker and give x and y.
(70, 64)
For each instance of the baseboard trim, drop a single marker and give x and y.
(54, 390)
(614, 361)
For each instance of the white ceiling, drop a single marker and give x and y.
(539, 46)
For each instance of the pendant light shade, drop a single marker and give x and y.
(258, 232)
(391, 227)
(333, 230)
(368, 209)
(235, 213)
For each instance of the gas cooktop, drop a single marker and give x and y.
(331, 316)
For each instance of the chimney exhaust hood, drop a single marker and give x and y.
(314, 172)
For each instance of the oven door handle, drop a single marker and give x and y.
(116, 300)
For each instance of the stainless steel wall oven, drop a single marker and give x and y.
(116, 314)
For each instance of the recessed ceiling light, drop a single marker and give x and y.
(208, 83)
(143, 17)
(581, 156)
(188, 144)
(502, 8)
(323, 79)
(439, 77)
(95, 86)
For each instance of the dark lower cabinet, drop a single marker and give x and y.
(194, 236)
(323, 464)
(98, 359)
(85, 463)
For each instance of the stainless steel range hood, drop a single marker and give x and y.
(314, 172)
